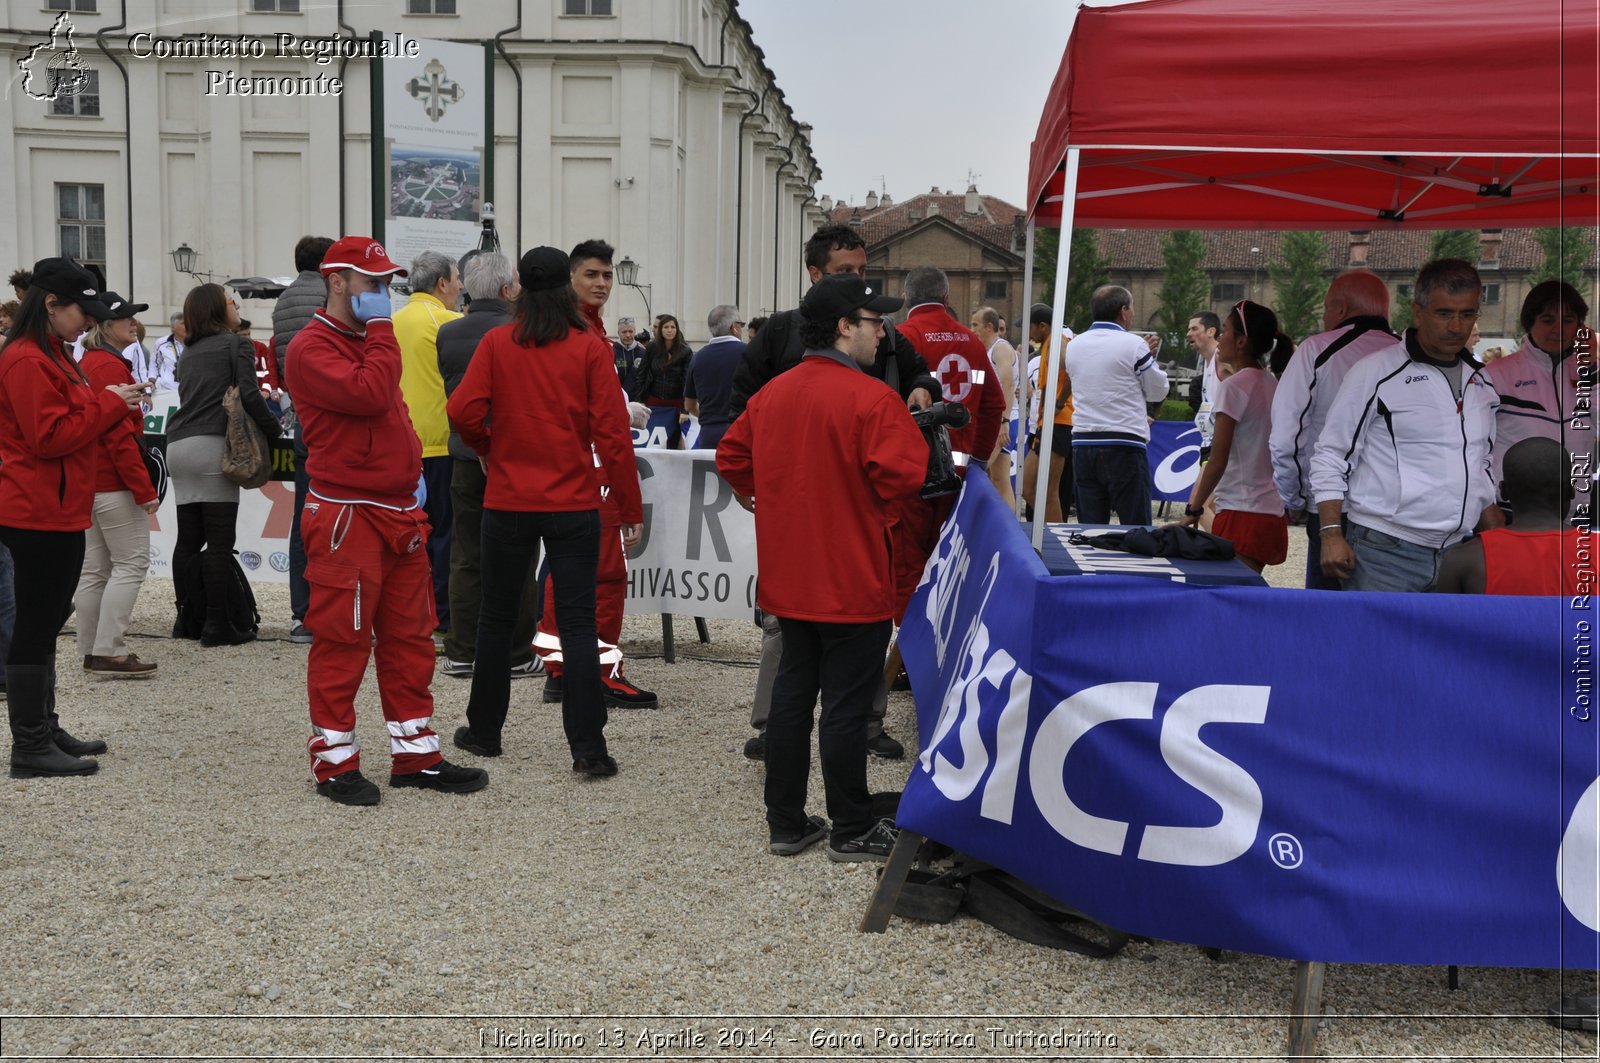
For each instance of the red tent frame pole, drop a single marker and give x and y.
(1049, 373)
(1024, 390)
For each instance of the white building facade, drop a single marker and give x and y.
(652, 124)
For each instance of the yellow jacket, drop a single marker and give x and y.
(416, 329)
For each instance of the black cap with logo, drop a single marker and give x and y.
(65, 279)
(842, 294)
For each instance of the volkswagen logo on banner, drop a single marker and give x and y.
(250, 560)
(279, 561)
(155, 552)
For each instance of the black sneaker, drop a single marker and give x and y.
(756, 748)
(552, 689)
(350, 788)
(875, 844)
(793, 842)
(885, 748)
(595, 767)
(445, 777)
(470, 742)
(621, 694)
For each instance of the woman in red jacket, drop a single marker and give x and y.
(51, 420)
(549, 387)
(117, 548)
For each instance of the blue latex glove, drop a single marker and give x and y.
(422, 490)
(369, 306)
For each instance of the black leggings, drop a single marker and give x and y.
(212, 525)
(48, 565)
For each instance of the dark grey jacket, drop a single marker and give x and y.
(458, 341)
(205, 371)
(307, 294)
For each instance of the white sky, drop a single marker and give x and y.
(914, 93)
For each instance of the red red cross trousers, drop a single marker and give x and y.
(955, 377)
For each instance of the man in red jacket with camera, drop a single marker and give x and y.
(365, 535)
(825, 450)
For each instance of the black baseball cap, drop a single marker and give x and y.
(66, 279)
(117, 308)
(544, 268)
(1039, 314)
(842, 294)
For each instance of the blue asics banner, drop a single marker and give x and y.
(1369, 778)
(1174, 456)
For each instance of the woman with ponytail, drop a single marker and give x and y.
(51, 421)
(1249, 509)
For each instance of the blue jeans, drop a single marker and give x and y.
(436, 471)
(1111, 477)
(509, 553)
(8, 609)
(1384, 563)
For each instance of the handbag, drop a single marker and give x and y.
(155, 463)
(246, 459)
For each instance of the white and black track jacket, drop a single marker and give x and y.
(1403, 454)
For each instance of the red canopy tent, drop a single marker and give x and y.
(1215, 114)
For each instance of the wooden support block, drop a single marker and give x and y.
(881, 908)
(1306, 1010)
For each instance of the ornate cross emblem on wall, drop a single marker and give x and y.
(435, 91)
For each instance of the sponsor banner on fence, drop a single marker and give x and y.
(265, 518)
(698, 555)
(1370, 778)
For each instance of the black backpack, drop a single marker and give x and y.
(191, 593)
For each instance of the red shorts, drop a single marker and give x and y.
(1262, 537)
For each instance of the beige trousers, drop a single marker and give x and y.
(116, 558)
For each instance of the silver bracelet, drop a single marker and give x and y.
(1326, 528)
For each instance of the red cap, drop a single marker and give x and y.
(360, 253)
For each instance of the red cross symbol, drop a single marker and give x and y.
(955, 378)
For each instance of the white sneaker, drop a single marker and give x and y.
(456, 669)
(531, 668)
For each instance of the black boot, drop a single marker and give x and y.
(219, 631)
(33, 753)
(76, 747)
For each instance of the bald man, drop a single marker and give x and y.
(1355, 315)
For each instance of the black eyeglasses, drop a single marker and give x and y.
(864, 319)
(737, 324)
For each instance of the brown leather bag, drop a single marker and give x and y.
(246, 458)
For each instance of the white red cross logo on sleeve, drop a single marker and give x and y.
(956, 377)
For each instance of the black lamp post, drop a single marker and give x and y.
(184, 260)
(628, 276)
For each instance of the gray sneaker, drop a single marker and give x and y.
(457, 669)
(875, 844)
(793, 842)
(299, 635)
(531, 667)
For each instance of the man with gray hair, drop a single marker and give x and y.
(435, 294)
(1355, 317)
(628, 353)
(708, 385)
(1401, 472)
(492, 284)
(163, 364)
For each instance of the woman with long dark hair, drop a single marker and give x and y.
(117, 546)
(539, 403)
(1249, 509)
(51, 420)
(660, 382)
(214, 359)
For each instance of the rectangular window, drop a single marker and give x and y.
(994, 289)
(587, 7)
(1491, 294)
(275, 7)
(430, 7)
(1227, 291)
(73, 97)
(72, 5)
(81, 222)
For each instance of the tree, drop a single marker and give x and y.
(1565, 253)
(1088, 271)
(1454, 243)
(1400, 311)
(1185, 288)
(1046, 252)
(1300, 283)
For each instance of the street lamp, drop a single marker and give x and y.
(1255, 269)
(184, 259)
(628, 276)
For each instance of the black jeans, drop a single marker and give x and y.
(467, 484)
(844, 662)
(48, 565)
(214, 526)
(436, 472)
(509, 555)
(299, 589)
(1111, 477)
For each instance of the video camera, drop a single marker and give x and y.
(936, 422)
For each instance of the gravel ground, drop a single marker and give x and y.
(196, 898)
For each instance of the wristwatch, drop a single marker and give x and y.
(1194, 511)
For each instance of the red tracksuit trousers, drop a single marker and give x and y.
(371, 593)
(611, 589)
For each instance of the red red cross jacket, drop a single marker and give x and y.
(357, 430)
(121, 466)
(955, 356)
(540, 416)
(825, 449)
(50, 426)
